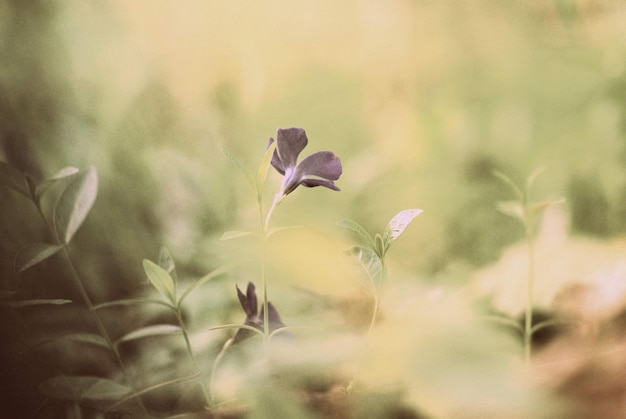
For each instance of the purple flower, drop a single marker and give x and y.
(253, 317)
(318, 169)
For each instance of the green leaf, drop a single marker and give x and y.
(530, 180)
(398, 224)
(244, 171)
(151, 331)
(33, 302)
(33, 254)
(537, 208)
(371, 264)
(78, 388)
(161, 280)
(512, 209)
(516, 189)
(166, 261)
(12, 178)
(133, 301)
(360, 231)
(217, 272)
(263, 168)
(75, 203)
(43, 186)
(234, 234)
(89, 338)
(274, 230)
(380, 246)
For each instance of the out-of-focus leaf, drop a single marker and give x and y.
(538, 208)
(271, 231)
(12, 178)
(33, 302)
(511, 208)
(75, 203)
(150, 331)
(89, 338)
(263, 168)
(166, 261)
(43, 186)
(217, 272)
(531, 179)
(133, 301)
(233, 234)
(516, 189)
(33, 254)
(360, 231)
(161, 280)
(398, 224)
(370, 262)
(77, 388)
(6, 294)
(244, 171)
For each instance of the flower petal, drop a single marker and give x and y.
(323, 164)
(290, 143)
(313, 182)
(248, 301)
(276, 162)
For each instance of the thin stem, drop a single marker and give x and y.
(528, 326)
(377, 297)
(218, 359)
(192, 357)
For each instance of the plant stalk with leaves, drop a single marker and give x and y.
(372, 255)
(528, 213)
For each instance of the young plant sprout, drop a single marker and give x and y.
(372, 254)
(528, 213)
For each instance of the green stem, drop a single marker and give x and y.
(192, 357)
(377, 298)
(218, 359)
(528, 322)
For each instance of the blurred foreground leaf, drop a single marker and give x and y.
(150, 331)
(12, 178)
(33, 254)
(34, 302)
(77, 388)
(74, 204)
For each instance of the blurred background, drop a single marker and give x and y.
(420, 99)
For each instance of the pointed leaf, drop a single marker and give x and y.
(78, 388)
(370, 262)
(537, 208)
(12, 178)
(43, 186)
(380, 248)
(89, 338)
(398, 224)
(33, 254)
(161, 280)
(234, 234)
(34, 302)
(516, 189)
(274, 230)
(133, 301)
(166, 261)
(512, 209)
(360, 231)
(244, 171)
(217, 272)
(263, 168)
(75, 203)
(150, 331)
(531, 179)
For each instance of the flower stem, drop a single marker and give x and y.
(192, 357)
(217, 360)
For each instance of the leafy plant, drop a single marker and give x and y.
(528, 213)
(371, 255)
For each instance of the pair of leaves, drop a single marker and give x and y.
(74, 193)
(371, 256)
(521, 208)
(163, 277)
